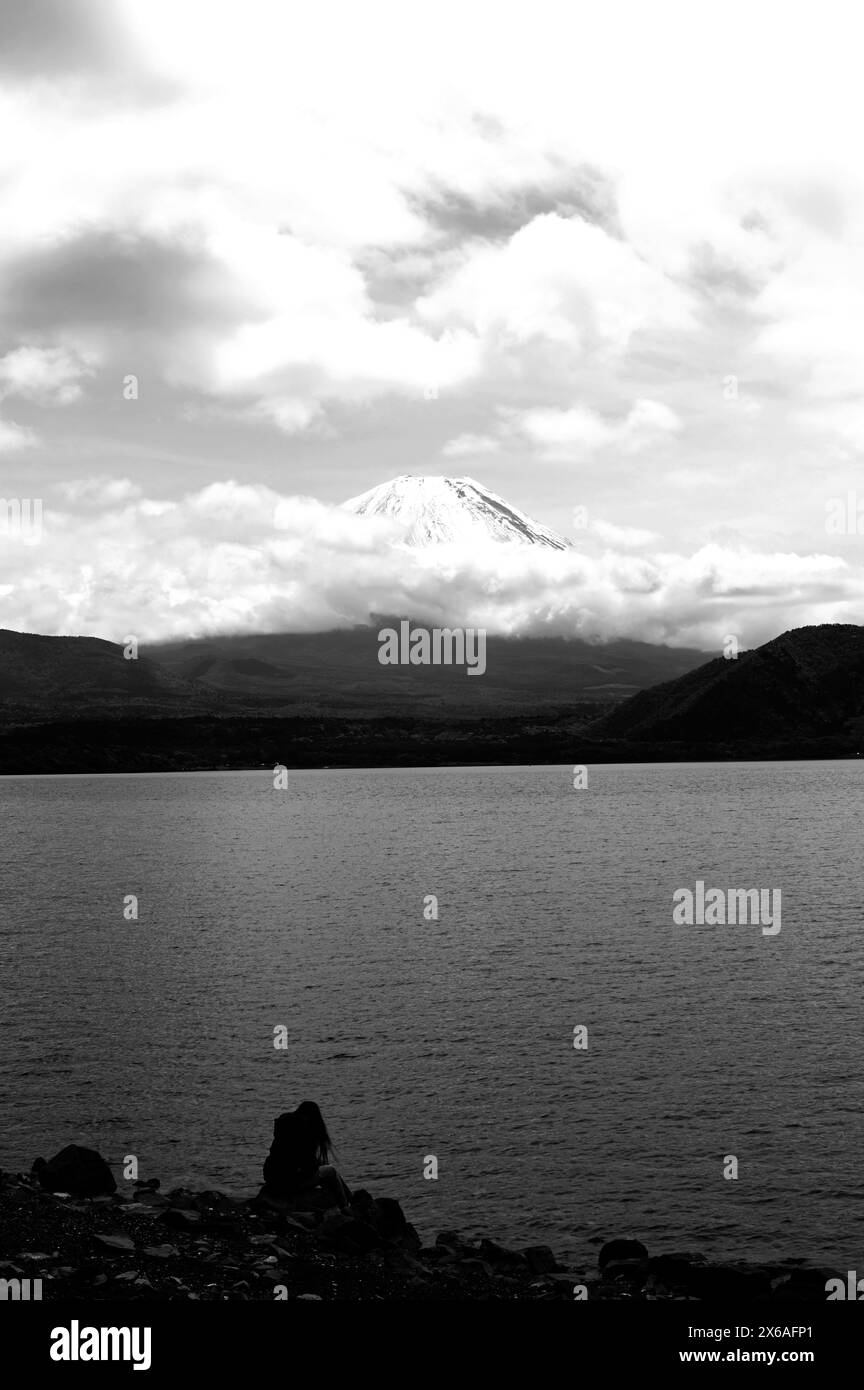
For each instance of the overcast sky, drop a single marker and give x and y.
(603, 256)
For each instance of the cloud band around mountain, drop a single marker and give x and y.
(234, 558)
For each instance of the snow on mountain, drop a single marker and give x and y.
(438, 511)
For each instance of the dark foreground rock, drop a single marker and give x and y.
(78, 1171)
(139, 1243)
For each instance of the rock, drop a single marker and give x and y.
(219, 1202)
(496, 1254)
(389, 1218)
(115, 1243)
(179, 1219)
(81, 1172)
(621, 1250)
(671, 1269)
(183, 1198)
(150, 1185)
(160, 1252)
(631, 1272)
(146, 1198)
(540, 1259)
(225, 1229)
(410, 1238)
(346, 1233)
(452, 1241)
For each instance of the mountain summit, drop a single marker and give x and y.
(438, 511)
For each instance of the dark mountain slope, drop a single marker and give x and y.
(807, 683)
(62, 673)
(340, 671)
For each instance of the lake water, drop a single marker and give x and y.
(453, 1038)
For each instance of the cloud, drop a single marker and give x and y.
(623, 537)
(51, 376)
(233, 557)
(99, 492)
(470, 444)
(49, 38)
(560, 432)
(520, 253)
(14, 436)
(235, 312)
(560, 279)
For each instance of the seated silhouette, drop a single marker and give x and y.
(298, 1161)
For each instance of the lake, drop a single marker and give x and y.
(308, 909)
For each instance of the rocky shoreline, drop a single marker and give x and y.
(97, 1243)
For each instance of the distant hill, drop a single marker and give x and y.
(806, 684)
(72, 704)
(340, 672)
(59, 675)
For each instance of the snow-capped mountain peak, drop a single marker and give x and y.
(438, 511)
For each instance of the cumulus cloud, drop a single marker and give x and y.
(468, 445)
(521, 255)
(561, 431)
(561, 279)
(233, 557)
(623, 537)
(51, 376)
(14, 436)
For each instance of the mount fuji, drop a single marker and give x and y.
(443, 511)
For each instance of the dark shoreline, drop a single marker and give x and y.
(140, 1244)
(229, 744)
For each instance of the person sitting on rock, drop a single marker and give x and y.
(298, 1160)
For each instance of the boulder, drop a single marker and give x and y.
(179, 1219)
(348, 1235)
(621, 1250)
(410, 1238)
(631, 1272)
(452, 1242)
(497, 1254)
(541, 1259)
(388, 1218)
(83, 1172)
(363, 1206)
(184, 1198)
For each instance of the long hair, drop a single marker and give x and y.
(312, 1120)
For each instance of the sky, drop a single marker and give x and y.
(257, 258)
